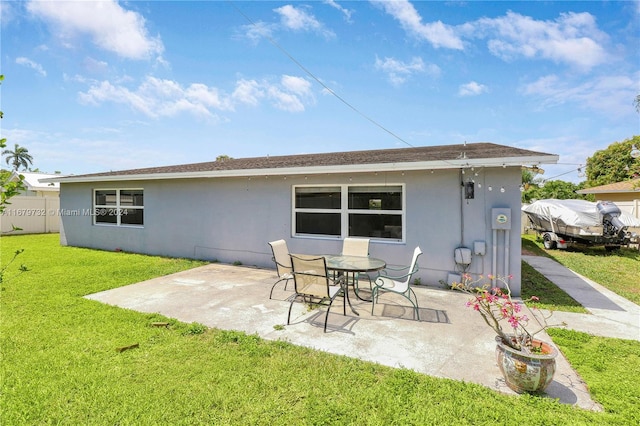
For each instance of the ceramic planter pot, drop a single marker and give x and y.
(524, 372)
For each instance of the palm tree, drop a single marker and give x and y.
(19, 157)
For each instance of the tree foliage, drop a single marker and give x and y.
(558, 189)
(18, 158)
(613, 164)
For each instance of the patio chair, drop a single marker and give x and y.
(313, 285)
(283, 263)
(357, 247)
(398, 284)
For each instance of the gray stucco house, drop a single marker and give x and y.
(438, 197)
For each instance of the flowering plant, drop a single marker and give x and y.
(495, 305)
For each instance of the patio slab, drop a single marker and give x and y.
(449, 341)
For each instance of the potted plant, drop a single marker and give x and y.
(527, 364)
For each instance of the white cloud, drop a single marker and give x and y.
(436, 33)
(297, 19)
(291, 18)
(291, 94)
(110, 27)
(346, 12)
(398, 72)
(207, 96)
(572, 38)
(30, 64)
(297, 85)
(610, 95)
(472, 89)
(158, 98)
(285, 101)
(258, 30)
(248, 92)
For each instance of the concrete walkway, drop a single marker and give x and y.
(609, 315)
(450, 340)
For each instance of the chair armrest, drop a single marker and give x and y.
(280, 264)
(395, 273)
(338, 280)
(388, 269)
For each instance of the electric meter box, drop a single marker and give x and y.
(501, 218)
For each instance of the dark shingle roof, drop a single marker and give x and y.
(472, 151)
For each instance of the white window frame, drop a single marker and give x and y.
(345, 211)
(117, 207)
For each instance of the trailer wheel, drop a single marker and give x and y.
(548, 242)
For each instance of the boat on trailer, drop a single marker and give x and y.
(565, 222)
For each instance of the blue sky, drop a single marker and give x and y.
(96, 86)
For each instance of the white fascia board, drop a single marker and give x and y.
(311, 170)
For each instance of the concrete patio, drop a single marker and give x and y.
(450, 340)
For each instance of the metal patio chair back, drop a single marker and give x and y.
(400, 283)
(313, 285)
(357, 247)
(283, 263)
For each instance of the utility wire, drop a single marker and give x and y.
(303, 68)
(562, 174)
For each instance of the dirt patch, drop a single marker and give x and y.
(528, 252)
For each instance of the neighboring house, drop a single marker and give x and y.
(439, 198)
(35, 209)
(625, 195)
(33, 187)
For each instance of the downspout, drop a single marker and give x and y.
(494, 260)
(507, 237)
(461, 208)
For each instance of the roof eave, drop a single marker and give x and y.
(609, 191)
(334, 169)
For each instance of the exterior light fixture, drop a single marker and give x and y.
(635, 152)
(469, 190)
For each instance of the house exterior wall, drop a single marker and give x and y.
(232, 219)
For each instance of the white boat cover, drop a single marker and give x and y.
(578, 213)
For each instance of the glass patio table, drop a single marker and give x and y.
(350, 267)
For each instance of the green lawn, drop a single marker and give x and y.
(616, 270)
(551, 296)
(59, 363)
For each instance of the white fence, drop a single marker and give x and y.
(34, 215)
(630, 207)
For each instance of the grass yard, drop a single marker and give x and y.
(619, 270)
(59, 363)
(551, 296)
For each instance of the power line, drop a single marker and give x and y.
(565, 173)
(308, 72)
